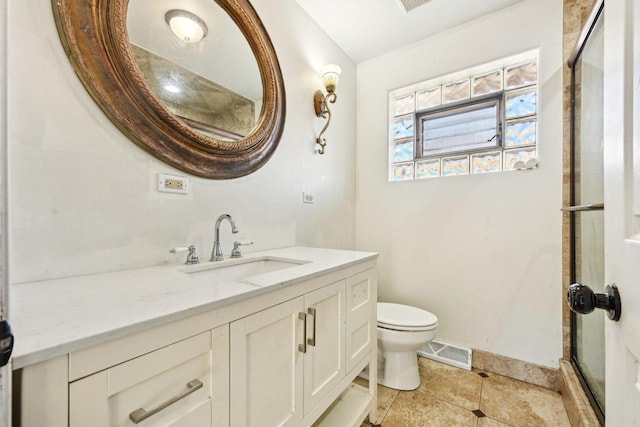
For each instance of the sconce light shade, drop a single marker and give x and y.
(186, 26)
(331, 77)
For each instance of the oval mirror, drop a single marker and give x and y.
(196, 83)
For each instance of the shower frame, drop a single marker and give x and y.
(596, 12)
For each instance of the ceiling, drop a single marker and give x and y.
(365, 29)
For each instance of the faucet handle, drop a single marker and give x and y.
(192, 256)
(236, 252)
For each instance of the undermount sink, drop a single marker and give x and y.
(242, 268)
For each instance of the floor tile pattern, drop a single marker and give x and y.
(451, 397)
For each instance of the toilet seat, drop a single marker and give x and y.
(399, 317)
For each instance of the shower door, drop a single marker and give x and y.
(587, 210)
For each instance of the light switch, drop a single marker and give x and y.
(307, 198)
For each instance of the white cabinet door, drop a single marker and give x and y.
(361, 316)
(266, 366)
(324, 364)
(168, 387)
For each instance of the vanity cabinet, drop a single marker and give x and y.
(283, 357)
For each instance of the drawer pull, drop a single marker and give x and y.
(141, 414)
(312, 341)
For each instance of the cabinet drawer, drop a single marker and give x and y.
(361, 316)
(168, 387)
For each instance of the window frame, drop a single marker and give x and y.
(497, 99)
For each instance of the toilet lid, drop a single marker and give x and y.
(404, 316)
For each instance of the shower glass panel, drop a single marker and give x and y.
(587, 334)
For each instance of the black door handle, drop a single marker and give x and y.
(583, 300)
(6, 342)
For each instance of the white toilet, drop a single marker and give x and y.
(402, 330)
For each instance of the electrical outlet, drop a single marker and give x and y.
(173, 184)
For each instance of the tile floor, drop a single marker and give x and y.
(452, 397)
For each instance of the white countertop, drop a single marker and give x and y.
(54, 317)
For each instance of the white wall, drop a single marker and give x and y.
(482, 252)
(83, 197)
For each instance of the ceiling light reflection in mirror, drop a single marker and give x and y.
(207, 74)
(186, 26)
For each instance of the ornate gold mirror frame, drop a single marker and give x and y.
(94, 36)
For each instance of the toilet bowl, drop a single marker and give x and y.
(402, 330)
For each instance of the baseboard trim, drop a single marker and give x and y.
(518, 369)
(576, 402)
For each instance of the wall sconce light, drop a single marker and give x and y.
(330, 78)
(186, 26)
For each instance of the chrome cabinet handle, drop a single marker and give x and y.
(303, 347)
(312, 340)
(141, 414)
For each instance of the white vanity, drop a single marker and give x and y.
(272, 339)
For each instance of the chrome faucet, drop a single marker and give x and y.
(216, 253)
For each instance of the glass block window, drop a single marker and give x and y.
(475, 121)
(455, 165)
(456, 91)
(521, 103)
(403, 127)
(486, 162)
(522, 75)
(518, 159)
(403, 151)
(519, 133)
(428, 168)
(405, 105)
(429, 98)
(488, 83)
(403, 171)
